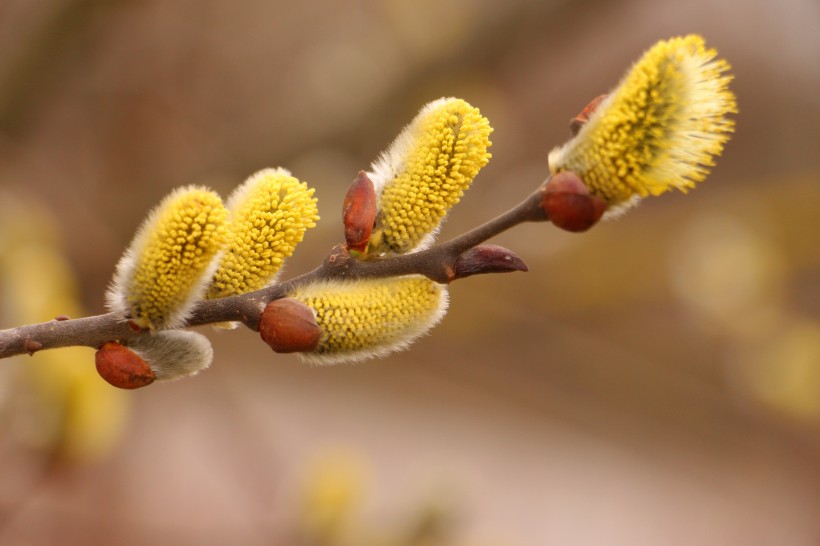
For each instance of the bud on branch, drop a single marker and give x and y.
(359, 212)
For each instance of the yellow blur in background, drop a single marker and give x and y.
(57, 404)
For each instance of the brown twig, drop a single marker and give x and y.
(437, 263)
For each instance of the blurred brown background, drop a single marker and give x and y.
(654, 381)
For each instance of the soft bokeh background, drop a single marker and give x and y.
(654, 381)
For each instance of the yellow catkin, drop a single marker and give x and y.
(659, 129)
(425, 172)
(367, 318)
(167, 267)
(269, 214)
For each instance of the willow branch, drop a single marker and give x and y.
(436, 263)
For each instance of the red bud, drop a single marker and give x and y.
(289, 326)
(32, 346)
(359, 212)
(568, 203)
(578, 121)
(486, 259)
(122, 367)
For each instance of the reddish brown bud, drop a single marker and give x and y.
(359, 212)
(568, 203)
(122, 367)
(289, 326)
(32, 346)
(486, 259)
(578, 121)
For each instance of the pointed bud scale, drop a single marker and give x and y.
(486, 259)
(568, 203)
(166, 269)
(269, 214)
(122, 367)
(174, 354)
(424, 172)
(578, 121)
(368, 318)
(289, 326)
(660, 129)
(359, 212)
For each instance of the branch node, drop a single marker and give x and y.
(134, 326)
(32, 346)
(337, 261)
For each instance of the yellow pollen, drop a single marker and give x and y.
(426, 171)
(165, 270)
(365, 318)
(659, 129)
(269, 215)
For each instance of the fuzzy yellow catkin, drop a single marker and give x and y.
(368, 318)
(659, 129)
(425, 171)
(269, 214)
(172, 258)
